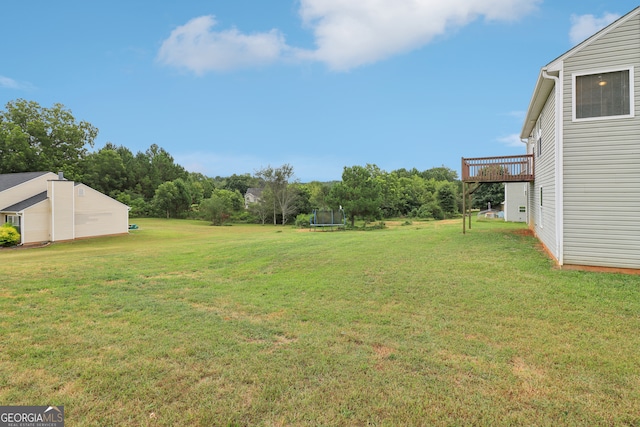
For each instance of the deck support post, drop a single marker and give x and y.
(464, 207)
(469, 207)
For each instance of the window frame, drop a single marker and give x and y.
(574, 78)
(538, 137)
(541, 210)
(14, 220)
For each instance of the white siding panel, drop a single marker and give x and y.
(601, 158)
(545, 227)
(36, 223)
(97, 214)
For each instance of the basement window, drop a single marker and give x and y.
(605, 94)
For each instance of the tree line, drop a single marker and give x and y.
(36, 138)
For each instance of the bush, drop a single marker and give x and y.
(424, 212)
(243, 217)
(436, 211)
(430, 210)
(9, 236)
(139, 208)
(303, 221)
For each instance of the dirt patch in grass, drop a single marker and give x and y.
(523, 232)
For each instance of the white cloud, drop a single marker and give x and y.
(584, 26)
(520, 115)
(512, 140)
(354, 33)
(196, 47)
(347, 34)
(10, 83)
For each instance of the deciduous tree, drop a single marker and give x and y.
(221, 205)
(359, 193)
(276, 181)
(35, 138)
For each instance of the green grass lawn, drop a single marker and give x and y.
(181, 323)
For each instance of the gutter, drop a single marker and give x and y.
(559, 164)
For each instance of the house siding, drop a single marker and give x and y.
(16, 194)
(97, 214)
(35, 223)
(545, 226)
(60, 194)
(601, 157)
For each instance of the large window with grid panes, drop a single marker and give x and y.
(605, 94)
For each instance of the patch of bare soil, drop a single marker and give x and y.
(523, 232)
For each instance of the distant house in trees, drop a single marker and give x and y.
(253, 195)
(45, 207)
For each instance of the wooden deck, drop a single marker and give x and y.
(498, 169)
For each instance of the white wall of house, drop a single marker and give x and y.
(601, 158)
(97, 214)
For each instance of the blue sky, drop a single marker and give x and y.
(232, 86)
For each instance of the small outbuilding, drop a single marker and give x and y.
(515, 201)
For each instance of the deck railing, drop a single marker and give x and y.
(498, 169)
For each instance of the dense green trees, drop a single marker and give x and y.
(370, 193)
(35, 138)
(488, 193)
(105, 171)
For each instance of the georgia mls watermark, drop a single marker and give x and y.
(31, 416)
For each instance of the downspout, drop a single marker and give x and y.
(21, 227)
(529, 205)
(53, 212)
(559, 167)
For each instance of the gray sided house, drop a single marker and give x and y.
(582, 163)
(48, 208)
(583, 132)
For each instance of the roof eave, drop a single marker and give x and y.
(539, 98)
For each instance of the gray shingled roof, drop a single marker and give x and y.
(255, 191)
(9, 180)
(26, 203)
